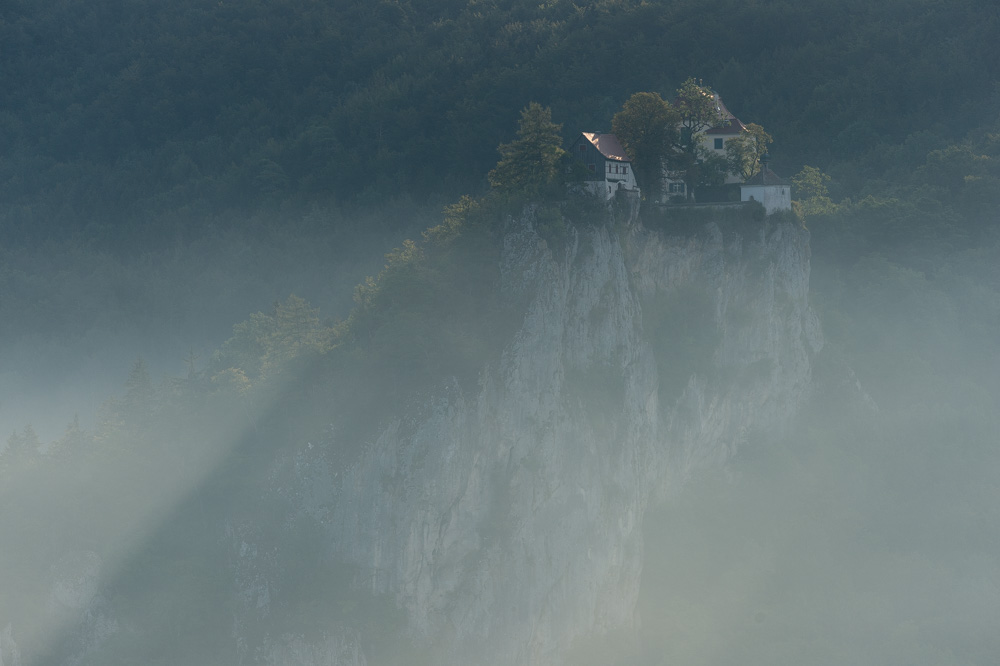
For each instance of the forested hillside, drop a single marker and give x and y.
(167, 168)
(125, 110)
(170, 172)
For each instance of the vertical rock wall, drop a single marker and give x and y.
(505, 522)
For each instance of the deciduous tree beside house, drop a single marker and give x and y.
(684, 145)
(743, 152)
(698, 109)
(646, 126)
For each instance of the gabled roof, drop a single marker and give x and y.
(766, 177)
(734, 127)
(732, 124)
(608, 145)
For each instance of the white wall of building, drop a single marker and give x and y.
(774, 197)
(621, 173)
(617, 176)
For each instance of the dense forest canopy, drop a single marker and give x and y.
(130, 109)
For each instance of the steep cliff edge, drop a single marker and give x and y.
(505, 521)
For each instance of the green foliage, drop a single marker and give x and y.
(412, 316)
(145, 109)
(698, 111)
(965, 174)
(148, 108)
(689, 161)
(468, 211)
(264, 343)
(646, 126)
(529, 166)
(659, 135)
(809, 186)
(711, 169)
(743, 152)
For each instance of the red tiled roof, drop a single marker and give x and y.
(607, 145)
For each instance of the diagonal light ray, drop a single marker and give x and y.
(174, 487)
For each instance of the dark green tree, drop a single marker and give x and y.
(698, 110)
(530, 164)
(743, 153)
(646, 126)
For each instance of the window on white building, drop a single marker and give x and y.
(677, 188)
(718, 144)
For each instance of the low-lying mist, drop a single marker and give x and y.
(866, 532)
(869, 532)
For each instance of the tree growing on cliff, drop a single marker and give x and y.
(811, 192)
(743, 152)
(698, 111)
(530, 164)
(646, 126)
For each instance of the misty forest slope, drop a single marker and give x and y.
(550, 430)
(162, 165)
(478, 444)
(464, 462)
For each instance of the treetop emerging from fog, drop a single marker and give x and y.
(530, 165)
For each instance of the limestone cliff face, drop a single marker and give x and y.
(9, 654)
(505, 521)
